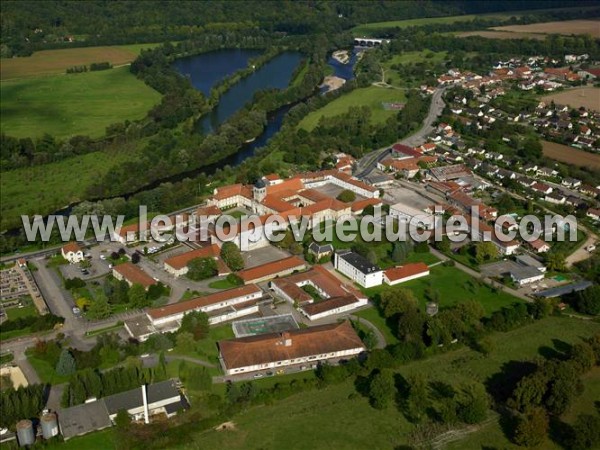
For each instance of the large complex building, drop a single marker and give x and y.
(278, 350)
(336, 297)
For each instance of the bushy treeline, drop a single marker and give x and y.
(34, 323)
(22, 403)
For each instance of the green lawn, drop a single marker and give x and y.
(101, 440)
(454, 287)
(371, 96)
(337, 417)
(222, 284)
(46, 373)
(46, 188)
(16, 313)
(68, 105)
(373, 316)
(431, 59)
(206, 349)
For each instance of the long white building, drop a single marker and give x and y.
(358, 269)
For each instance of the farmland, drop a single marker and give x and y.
(502, 35)
(588, 97)
(568, 27)
(371, 96)
(48, 62)
(46, 188)
(570, 155)
(283, 424)
(68, 105)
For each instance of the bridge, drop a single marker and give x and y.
(368, 42)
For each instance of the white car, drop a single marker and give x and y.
(102, 257)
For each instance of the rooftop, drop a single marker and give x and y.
(271, 269)
(180, 261)
(134, 274)
(359, 262)
(407, 270)
(271, 347)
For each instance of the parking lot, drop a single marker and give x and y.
(332, 190)
(398, 194)
(263, 255)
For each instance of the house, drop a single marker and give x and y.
(526, 275)
(72, 252)
(405, 273)
(272, 269)
(177, 265)
(555, 197)
(541, 188)
(593, 213)
(320, 251)
(132, 274)
(358, 269)
(293, 347)
(571, 182)
(539, 246)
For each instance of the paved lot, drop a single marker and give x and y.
(332, 190)
(263, 255)
(398, 194)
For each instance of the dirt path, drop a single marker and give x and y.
(581, 253)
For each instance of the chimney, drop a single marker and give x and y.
(287, 339)
(145, 399)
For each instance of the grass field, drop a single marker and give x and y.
(16, 313)
(588, 97)
(67, 105)
(570, 155)
(300, 421)
(371, 96)
(47, 62)
(46, 373)
(501, 35)
(392, 77)
(567, 27)
(454, 287)
(44, 189)
(102, 440)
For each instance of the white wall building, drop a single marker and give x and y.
(358, 269)
(72, 252)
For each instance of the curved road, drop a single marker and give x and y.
(369, 162)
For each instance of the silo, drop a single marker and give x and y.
(25, 433)
(49, 425)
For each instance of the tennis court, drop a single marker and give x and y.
(271, 324)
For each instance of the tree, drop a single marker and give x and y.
(417, 399)
(485, 251)
(586, 432)
(399, 252)
(137, 296)
(186, 342)
(232, 256)
(201, 269)
(473, 403)
(99, 308)
(346, 196)
(443, 245)
(122, 420)
(382, 389)
(195, 323)
(396, 300)
(66, 363)
(532, 428)
(135, 258)
(588, 300)
(555, 261)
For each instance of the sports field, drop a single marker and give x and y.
(47, 62)
(570, 155)
(372, 96)
(68, 105)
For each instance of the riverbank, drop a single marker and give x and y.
(332, 83)
(341, 56)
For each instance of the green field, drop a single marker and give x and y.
(371, 96)
(46, 188)
(16, 313)
(426, 56)
(68, 105)
(338, 418)
(454, 287)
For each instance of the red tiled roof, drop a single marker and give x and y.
(211, 210)
(271, 269)
(71, 247)
(329, 304)
(359, 205)
(538, 244)
(267, 348)
(272, 177)
(406, 150)
(180, 261)
(134, 274)
(200, 302)
(232, 190)
(407, 270)
(293, 184)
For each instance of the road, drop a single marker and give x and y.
(478, 276)
(369, 162)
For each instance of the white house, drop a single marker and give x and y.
(358, 269)
(278, 350)
(72, 252)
